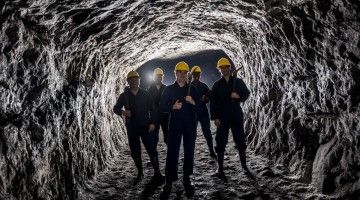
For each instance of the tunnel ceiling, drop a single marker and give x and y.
(63, 65)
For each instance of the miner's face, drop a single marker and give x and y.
(158, 78)
(181, 75)
(134, 81)
(225, 70)
(195, 76)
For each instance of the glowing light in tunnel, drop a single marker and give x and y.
(150, 77)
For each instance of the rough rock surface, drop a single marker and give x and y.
(62, 65)
(273, 181)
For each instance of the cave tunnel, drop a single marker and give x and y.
(64, 63)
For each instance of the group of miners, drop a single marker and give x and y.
(177, 109)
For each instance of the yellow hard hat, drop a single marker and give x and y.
(132, 73)
(196, 69)
(182, 66)
(158, 71)
(223, 62)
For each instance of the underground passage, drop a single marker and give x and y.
(64, 65)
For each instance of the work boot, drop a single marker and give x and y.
(211, 148)
(138, 178)
(166, 190)
(140, 175)
(158, 179)
(247, 172)
(221, 175)
(242, 156)
(155, 164)
(220, 171)
(188, 186)
(213, 154)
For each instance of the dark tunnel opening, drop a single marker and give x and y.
(206, 59)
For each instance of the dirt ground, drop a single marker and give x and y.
(272, 181)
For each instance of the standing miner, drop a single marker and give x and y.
(155, 90)
(225, 110)
(180, 100)
(140, 120)
(203, 113)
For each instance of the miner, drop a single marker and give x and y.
(180, 100)
(203, 113)
(225, 110)
(136, 106)
(155, 91)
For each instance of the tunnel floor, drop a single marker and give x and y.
(272, 181)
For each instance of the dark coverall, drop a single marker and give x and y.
(182, 123)
(203, 113)
(137, 125)
(163, 120)
(230, 114)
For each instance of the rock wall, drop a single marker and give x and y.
(306, 112)
(54, 133)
